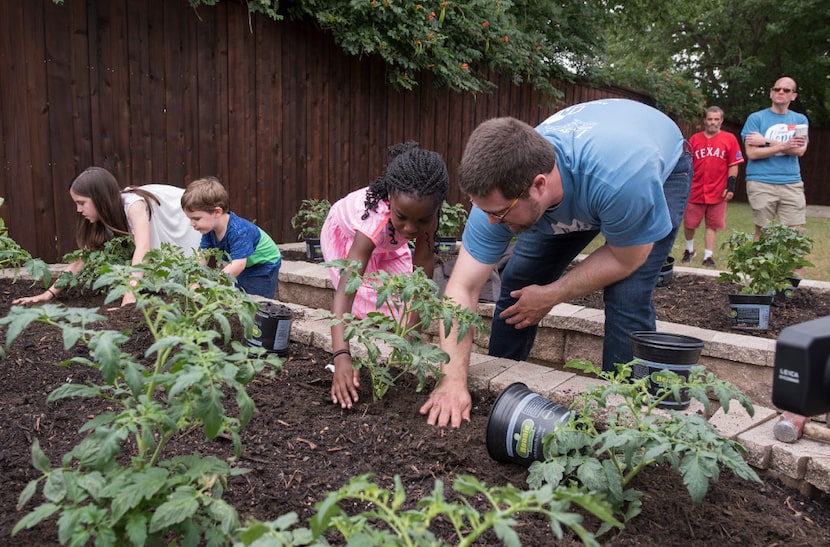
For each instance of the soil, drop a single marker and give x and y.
(299, 446)
(699, 301)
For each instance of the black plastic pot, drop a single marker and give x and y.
(272, 328)
(444, 244)
(658, 352)
(787, 292)
(666, 272)
(750, 311)
(313, 250)
(518, 423)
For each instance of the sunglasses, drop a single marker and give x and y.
(784, 89)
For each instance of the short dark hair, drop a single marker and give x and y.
(504, 153)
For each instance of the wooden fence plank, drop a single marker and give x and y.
(36, 102)
(19, 206)
(158, 92)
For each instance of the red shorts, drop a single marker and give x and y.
(714, 213)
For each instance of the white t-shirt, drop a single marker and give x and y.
(168, 223)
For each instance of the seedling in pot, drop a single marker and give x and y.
(766, 266)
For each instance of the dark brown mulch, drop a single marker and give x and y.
(299, 446)
(700, 301)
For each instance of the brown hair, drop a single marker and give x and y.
(205, 194)
(504, 153)
(100, 186)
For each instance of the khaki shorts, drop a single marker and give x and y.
(785, 200)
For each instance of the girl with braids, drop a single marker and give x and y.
(374, 226)
(151, 213)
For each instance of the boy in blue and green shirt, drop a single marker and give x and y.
(249, 254)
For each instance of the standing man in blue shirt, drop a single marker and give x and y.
(775, 138)
(612, 167)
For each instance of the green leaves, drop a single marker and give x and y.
(451, 219)
(765, 265)
(385, 522)
(605, 457)
(310, 217)
(414, 304)
(179, 383)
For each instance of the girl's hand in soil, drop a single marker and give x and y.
(345, 382)
(45, 296)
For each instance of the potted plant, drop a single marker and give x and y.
(451, 221)
(763, 268)
(666, 272)
(309, 219)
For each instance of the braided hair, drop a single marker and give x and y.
(412, 171)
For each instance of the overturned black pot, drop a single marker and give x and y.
(518, 423)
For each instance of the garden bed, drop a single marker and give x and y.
(299, 446)
(700, 301)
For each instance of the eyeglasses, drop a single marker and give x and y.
(500, 216)
(784, 89)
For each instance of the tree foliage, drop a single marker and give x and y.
(732, 51)
(684, 54)
(458, 42)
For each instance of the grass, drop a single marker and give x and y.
(739, 218)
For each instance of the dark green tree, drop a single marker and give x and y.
(732, 51)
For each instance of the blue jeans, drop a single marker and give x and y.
(542, 258)
(260, 279)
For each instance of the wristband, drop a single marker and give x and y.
(53, 293)
(339, 352)
(730, 184)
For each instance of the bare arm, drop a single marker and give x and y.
(52, 291)
(235, 267)
(757, 147)
(450, 402)
(140, 222)
(346, 379)
(605, 266)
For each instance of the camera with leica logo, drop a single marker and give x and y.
(801, 381)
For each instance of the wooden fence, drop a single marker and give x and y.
(155, 91)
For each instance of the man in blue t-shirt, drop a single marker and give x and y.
(775, 138)
(612, 167)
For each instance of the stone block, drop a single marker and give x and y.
(538, 378)
(758, 442)
(789, 459)
(736, 421)
(549, 346)
(483, 368)
(579, 345)
(818, 472)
